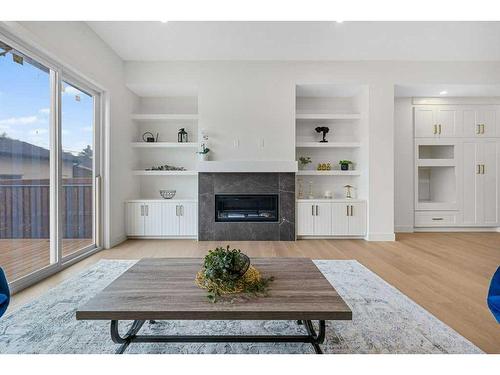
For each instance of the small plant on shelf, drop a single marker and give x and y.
(344, 164)
(203, 153)
(303, 161)
(228, 271)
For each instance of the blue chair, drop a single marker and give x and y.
(4, 293)
(494, 295)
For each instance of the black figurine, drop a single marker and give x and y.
(324, 130)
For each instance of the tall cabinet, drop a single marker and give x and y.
(457, 166)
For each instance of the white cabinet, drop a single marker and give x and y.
(480, 183)
(151, 218)
(314, 219)
(436, 121)
(349, 219)
(479, 122)
(331, 218)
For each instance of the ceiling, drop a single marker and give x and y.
(418, 41)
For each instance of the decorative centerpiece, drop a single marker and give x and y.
(344, 164)
(303, 161)
(228, 272)
(203, 153)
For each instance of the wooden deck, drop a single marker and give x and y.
(20, 257)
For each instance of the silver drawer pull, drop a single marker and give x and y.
(437, 218)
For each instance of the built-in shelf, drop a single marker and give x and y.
(328, 144)
(328, 173)
(164, 116)
(164, 173)
(436, 162)
(164, 144)
(328, 116)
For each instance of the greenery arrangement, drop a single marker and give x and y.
(304, 160)
(347, 162)
(204, 150)
(228, 271)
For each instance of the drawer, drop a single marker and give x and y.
(435, 218)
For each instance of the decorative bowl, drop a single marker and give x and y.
(167, 194)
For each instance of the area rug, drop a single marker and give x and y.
(384, 321)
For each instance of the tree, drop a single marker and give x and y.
(86, 152)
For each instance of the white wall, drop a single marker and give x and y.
(403, 165)
(75, 45)
(249, 100)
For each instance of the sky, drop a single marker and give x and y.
(25, 107)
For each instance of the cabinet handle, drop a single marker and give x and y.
(482, 168)
(352, 210)
(437, 218)
(482, 128)
(439, 128)
(478, 169)
(176, 210)
(147, 210)
(347, 210)
(182, 209)
(142, 210)
(435, 129)
(312, 209)
(317, 210)
(478, 131)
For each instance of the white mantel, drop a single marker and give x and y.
(248, 166)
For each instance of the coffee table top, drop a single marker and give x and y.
(165, 289)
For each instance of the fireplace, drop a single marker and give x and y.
(246, 207)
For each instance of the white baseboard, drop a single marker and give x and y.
(381, 237)
(404, 229)
(116, 241)
(458, 229)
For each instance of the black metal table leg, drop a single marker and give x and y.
(312, 337)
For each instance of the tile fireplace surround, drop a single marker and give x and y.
(210, 184)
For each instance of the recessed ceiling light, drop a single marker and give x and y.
(162, 21)
(444, 92)
(339, 21)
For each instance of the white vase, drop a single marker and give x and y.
(203, 157)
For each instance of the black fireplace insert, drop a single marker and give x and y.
(246, 207)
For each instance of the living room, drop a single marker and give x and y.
(249, 187)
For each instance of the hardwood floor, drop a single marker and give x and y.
(446, 273)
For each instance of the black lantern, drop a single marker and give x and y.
(182, 136)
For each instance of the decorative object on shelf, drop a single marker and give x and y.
(204, 150)
(324, 167)
(310, 195)
(166, 167)
(149, 137)
(348, 193)
(327, 194)
(167, 194)
(182, 135)
(303, 161)
(300, 188)
(344, 164)
(227, 272)
(324, 130)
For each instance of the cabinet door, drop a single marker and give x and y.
(487, 119)
(357, 219)
(489, 184)
(425, 122)
(340, 219)
(188, 219)
(135, 219)
(169, 219)
(470, 182)
(446, 119)
(152, 219)
(322, 219)
(471, 126)
(305, 219)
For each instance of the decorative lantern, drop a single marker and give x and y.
(182, 136)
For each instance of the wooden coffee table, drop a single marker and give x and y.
(164, 289)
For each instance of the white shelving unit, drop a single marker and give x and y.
(328, 173)
(163, 117)
(328, 145)
(328, 116)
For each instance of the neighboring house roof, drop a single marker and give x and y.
(16, 148)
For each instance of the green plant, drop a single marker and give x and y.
(304, 160)
(345, 162)
(204, 150)
(228, 271)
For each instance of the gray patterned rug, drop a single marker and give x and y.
(384, 321)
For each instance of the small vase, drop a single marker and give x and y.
(203, 157)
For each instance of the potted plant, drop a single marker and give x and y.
(344, 164)
(303, 161)
(203, 153)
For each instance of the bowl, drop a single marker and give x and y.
(167, 194)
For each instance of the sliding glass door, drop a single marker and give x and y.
(49, 165)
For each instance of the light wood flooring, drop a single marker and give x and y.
(446, 273)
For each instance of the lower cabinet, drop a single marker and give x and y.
(160, 218)
(331, 218)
